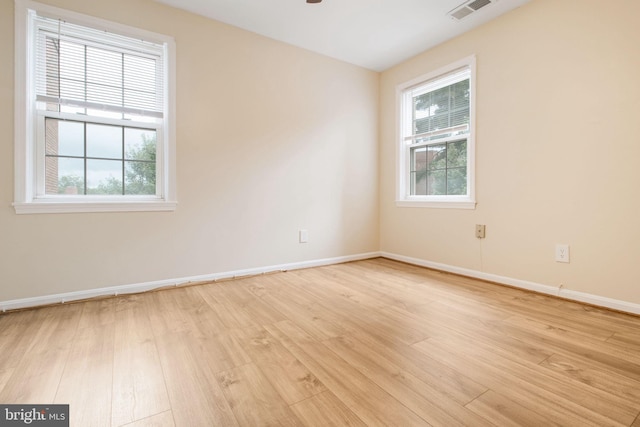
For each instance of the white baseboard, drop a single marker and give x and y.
(147, 286)
(596, 300)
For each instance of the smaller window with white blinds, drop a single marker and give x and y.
(95, 101)
(436, 141)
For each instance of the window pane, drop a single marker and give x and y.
(140, 144)
(64, 138)
(460, 103)
(104, 76)
(419, 183)
(457, 154)
(71, 89)
(70, 69)
(441, 109)
(457, 181)
(423, 110)
(419, 171)
(71, 61)
(140, 178)
(104, 94)
(439, 169)
(436, 182)
(139, 73)
(52, 70)
(140, 82)
(64, 175)
(104, 177)
(440, 100)
(437, 156)
(104, 141)
(104, 67)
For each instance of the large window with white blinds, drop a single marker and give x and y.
(98, 125)
(436, 141)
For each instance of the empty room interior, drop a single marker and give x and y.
(251, 213)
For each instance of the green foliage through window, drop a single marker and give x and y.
(439, 169)
(108, 160)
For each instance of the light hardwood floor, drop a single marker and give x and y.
(373, 342)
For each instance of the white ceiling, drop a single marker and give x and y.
(375, 34)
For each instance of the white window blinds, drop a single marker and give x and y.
(439, 108)
(78, 67)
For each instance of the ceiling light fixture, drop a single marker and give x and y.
(314, 1)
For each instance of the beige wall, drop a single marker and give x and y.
(558, 150)
(270, 139)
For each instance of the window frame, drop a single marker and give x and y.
(404, 198)
(28, 124)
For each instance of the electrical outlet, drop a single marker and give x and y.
(480, 231)
(303, 236)
(562, 253)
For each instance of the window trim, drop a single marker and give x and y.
(403, 196)
(26, 200)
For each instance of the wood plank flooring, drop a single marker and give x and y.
(368, 343)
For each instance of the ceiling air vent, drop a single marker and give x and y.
(468, 7)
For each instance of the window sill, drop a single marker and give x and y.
(45, 206)
(439, 204)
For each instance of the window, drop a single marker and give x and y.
(94, 126)
(436, 141)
